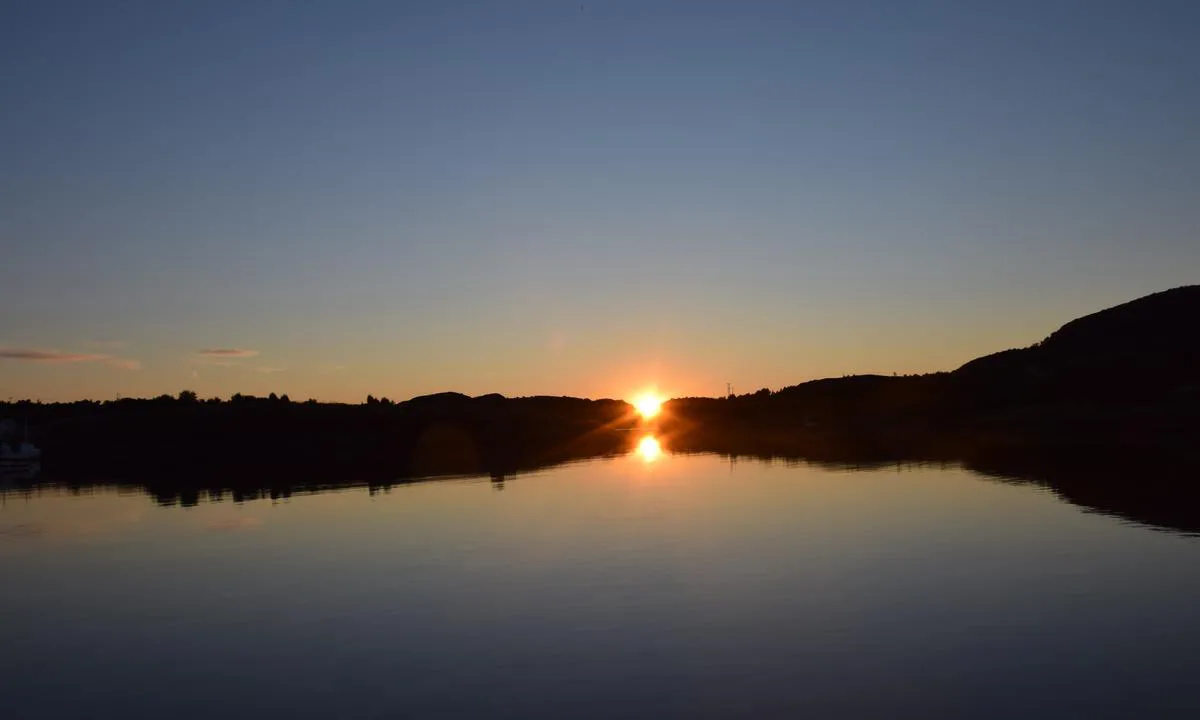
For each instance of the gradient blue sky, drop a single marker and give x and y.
(534, 197)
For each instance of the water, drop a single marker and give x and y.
(642, 586)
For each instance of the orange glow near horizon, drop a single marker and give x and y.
(648, 404)
(649, 449)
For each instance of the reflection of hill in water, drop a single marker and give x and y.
(1156, 489)
(446, 453)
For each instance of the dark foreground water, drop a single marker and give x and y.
(682, 587)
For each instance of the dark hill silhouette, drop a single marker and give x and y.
(1135, 351)
(444, 399)
(1163, 323)
(1129, 374)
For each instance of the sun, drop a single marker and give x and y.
(648, 404)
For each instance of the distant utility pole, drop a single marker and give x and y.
(728, 389)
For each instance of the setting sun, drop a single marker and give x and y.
(648, 404)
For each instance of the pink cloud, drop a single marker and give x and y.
(125, 363)
(227, 353)
(48, 356)
(35, 355)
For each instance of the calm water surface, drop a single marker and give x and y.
(683, 587)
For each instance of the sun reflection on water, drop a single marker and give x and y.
(649, 449)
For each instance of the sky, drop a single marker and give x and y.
(330, 199)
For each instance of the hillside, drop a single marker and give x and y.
(1141, 350)
(1130, 373)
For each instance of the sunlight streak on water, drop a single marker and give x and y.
(649, 449)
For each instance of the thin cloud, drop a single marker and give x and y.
(55, 357)
(227, 353)
(125, 363)
(331, 369)
(214, 362)
(105, 344)
(270, 370)
(49, 356)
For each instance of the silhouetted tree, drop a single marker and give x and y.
(188, 396)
